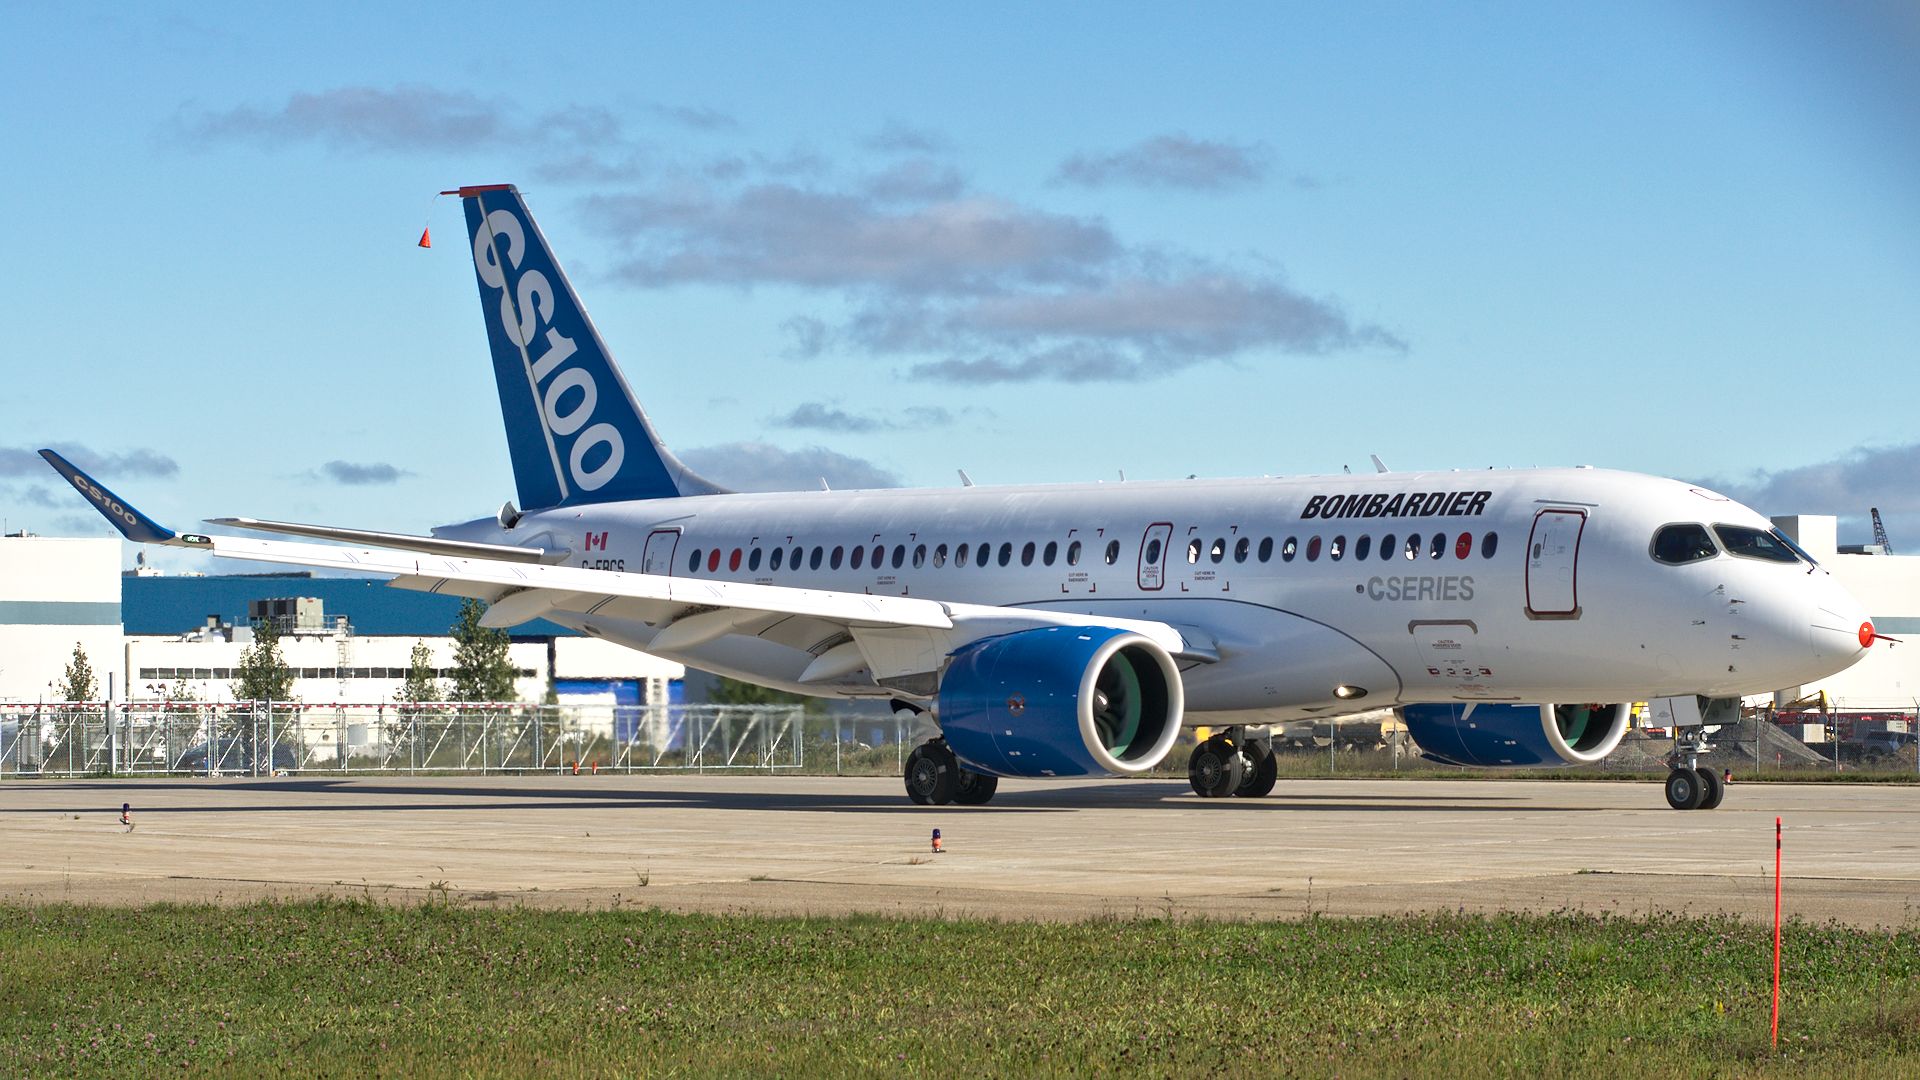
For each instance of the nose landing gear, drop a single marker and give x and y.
(1691, 785)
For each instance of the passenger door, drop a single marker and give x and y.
(1553, 554)
(661, 544)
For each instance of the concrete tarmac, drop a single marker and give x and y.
(1041, 850)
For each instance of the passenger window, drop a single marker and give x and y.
(879, 556)
(1193, 550)
(773, 563)
(833, 561)
(713, 560)
(1313, 548)
(919, 556)
(813, 560)
(1439, 546)
(1153, 550)
(899, 555)
(1386, 547)
(1113, 552)
(1218, 551)
(1676, 544)
(940, 556)
(693, 562)
(1073, 553)
(1288, 549)
(1006, 553)
(960, 553)
(1240, 549)
(980, 553)
(1361, 547)
(793, 561)
(1052, 549)
(733, 561)
(1026, 554)
(1463, 547)
(1337, 548)
(753, 561)
(859, 557)
(1413, 546)
(1487, 545)
(1266, 548)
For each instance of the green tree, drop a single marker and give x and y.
(79, 684)
(481, 670)
(727, 691)
(263, 671)
(421, 686)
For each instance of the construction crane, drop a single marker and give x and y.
(1880, 532)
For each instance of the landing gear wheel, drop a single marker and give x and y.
(1261, 774)
(932, 774)
(1714, 789)
(1215, 769)
(974, 789)
(1685, 789)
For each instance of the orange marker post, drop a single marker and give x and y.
(1776, 933)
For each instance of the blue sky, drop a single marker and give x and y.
(1039, 242)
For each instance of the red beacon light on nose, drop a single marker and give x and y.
(1868, 636)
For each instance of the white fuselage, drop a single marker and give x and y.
(1521, 585)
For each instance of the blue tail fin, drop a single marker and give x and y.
(575, 432)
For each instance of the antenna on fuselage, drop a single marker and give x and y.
(965, 480)
(1378, 465)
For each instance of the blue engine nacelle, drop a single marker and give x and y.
(1499, 733)
(1061, 701)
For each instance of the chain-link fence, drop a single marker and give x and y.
(190, 738)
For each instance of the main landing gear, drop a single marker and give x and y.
(935, 777)
(1691, 785)
(1236, 762)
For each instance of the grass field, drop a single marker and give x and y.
(338, 988)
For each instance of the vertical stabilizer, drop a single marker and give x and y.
(574, 430)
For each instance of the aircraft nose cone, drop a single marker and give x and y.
(1841, 631)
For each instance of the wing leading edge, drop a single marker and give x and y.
(893, 638)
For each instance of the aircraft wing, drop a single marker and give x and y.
(893, 637)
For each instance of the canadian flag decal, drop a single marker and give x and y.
(596, 540)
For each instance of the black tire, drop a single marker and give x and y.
(1715, 790)
(932, 774)
(974, 789)
(1215, 769)
(1685, 789)
(1259, 781)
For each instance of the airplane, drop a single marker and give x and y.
(1512, 617)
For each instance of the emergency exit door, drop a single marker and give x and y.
(659, 555)
(1553, 564)
(1153, 556)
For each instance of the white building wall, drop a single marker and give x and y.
(1889, 586)
(376, 666)
(54, 593)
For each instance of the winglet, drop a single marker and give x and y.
(132, 524)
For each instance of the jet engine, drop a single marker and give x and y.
(1061, 701)
(1502, 734)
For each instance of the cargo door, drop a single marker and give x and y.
(1553, 554)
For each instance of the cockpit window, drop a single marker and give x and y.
(1753, 544)
(1678, 544)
